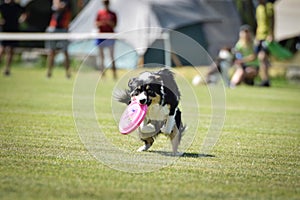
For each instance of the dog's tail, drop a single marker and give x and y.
(122, 96)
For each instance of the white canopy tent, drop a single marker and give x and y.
(287, 15)
(145, 20)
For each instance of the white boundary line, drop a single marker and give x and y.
(74, 36)
(24, 36)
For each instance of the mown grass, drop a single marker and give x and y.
(42, 156)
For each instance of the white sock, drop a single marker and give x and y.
(169, 125)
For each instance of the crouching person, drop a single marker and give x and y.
(246, 62)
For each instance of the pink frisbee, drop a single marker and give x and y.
(132, 117)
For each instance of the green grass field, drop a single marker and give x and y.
(43, 157)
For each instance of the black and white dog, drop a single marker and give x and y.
(161, 94)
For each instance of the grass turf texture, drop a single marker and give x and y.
(42, 156)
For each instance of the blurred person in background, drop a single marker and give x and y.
(106, 21)
(11, 16)
(59, 23)
(246, 63)
(38, 14)
(264, 31)
(220, 66)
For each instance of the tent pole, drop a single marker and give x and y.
(167, 47)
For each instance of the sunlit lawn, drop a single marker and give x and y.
(43, 157)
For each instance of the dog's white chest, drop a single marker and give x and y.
(158, 112)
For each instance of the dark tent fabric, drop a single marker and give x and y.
(224, 32)
(154, 54)
(174, 14)
(212, 33)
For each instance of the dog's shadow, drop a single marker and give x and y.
(185, 155)
(198, 155)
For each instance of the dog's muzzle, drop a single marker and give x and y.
(142, 98)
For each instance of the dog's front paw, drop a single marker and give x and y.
(144, 148)
(149, 128)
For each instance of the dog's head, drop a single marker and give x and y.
(145, 88)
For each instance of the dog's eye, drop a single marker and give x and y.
(150, 92)
(135, 92)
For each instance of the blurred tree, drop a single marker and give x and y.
(246, 9)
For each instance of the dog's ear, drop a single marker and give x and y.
(131, 83)
(122, 96)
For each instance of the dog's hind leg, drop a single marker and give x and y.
(170, 122)
(175, 141)
(169, 125)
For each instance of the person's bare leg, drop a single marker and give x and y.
(113, 67)
(67, 64)
(264, 68)
(140, 61)
(237, 77)
(9, 57)
(250, 74)
(50, 62)
(2, 50)
(101, 54)
(212, 70)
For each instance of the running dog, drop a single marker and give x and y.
(159, 91)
